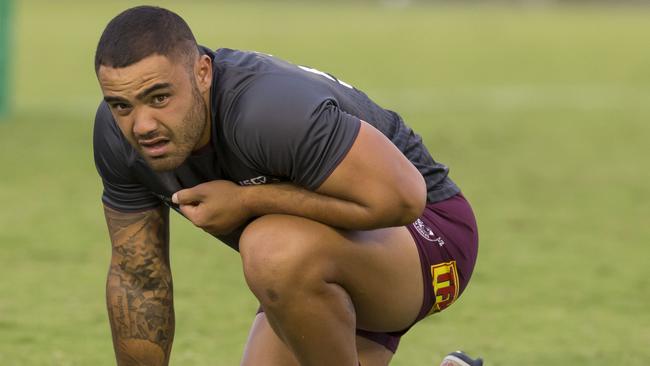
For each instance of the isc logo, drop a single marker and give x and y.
(445, 285)
(262, 179)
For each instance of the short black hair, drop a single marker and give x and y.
(143, 31)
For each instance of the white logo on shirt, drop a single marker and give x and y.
(427, 233)
(326, 75)
(262, 179)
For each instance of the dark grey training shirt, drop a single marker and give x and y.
(272, 121)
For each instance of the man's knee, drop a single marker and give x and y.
(283, 256)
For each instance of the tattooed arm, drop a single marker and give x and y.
(139, 287)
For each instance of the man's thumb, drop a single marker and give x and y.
(188, 196)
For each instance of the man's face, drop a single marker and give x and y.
(159, 108)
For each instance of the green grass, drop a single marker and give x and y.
(542, 116)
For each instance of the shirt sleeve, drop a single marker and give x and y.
(122, 191)
(291, 127)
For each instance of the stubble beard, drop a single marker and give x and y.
(185, 140)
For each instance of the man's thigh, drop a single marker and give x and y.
(264, 347)
(379, 269)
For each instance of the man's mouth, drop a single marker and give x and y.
(155, 147)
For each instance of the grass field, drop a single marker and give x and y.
(542, 115)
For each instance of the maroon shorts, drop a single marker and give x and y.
(447, 240)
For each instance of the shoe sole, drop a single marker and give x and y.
(460, 362)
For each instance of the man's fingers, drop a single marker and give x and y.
(188, 201)
(190, 196)
(188, 211)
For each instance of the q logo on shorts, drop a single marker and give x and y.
(445, 285)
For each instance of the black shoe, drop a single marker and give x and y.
(459, 358)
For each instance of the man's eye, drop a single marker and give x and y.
(120, 107)
(160, 99)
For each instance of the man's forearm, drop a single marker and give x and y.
(142, 322)
(139, 289)
(290, 199)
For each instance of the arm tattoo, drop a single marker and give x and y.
(139, 287)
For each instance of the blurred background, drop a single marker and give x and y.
(540, 108)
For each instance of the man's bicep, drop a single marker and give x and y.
(144, 234)
(290, 128)
(375, 174)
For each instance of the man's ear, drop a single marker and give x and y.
(203, 73)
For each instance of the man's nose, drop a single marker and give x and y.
(144, 124)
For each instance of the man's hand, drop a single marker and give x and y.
(217, 207)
